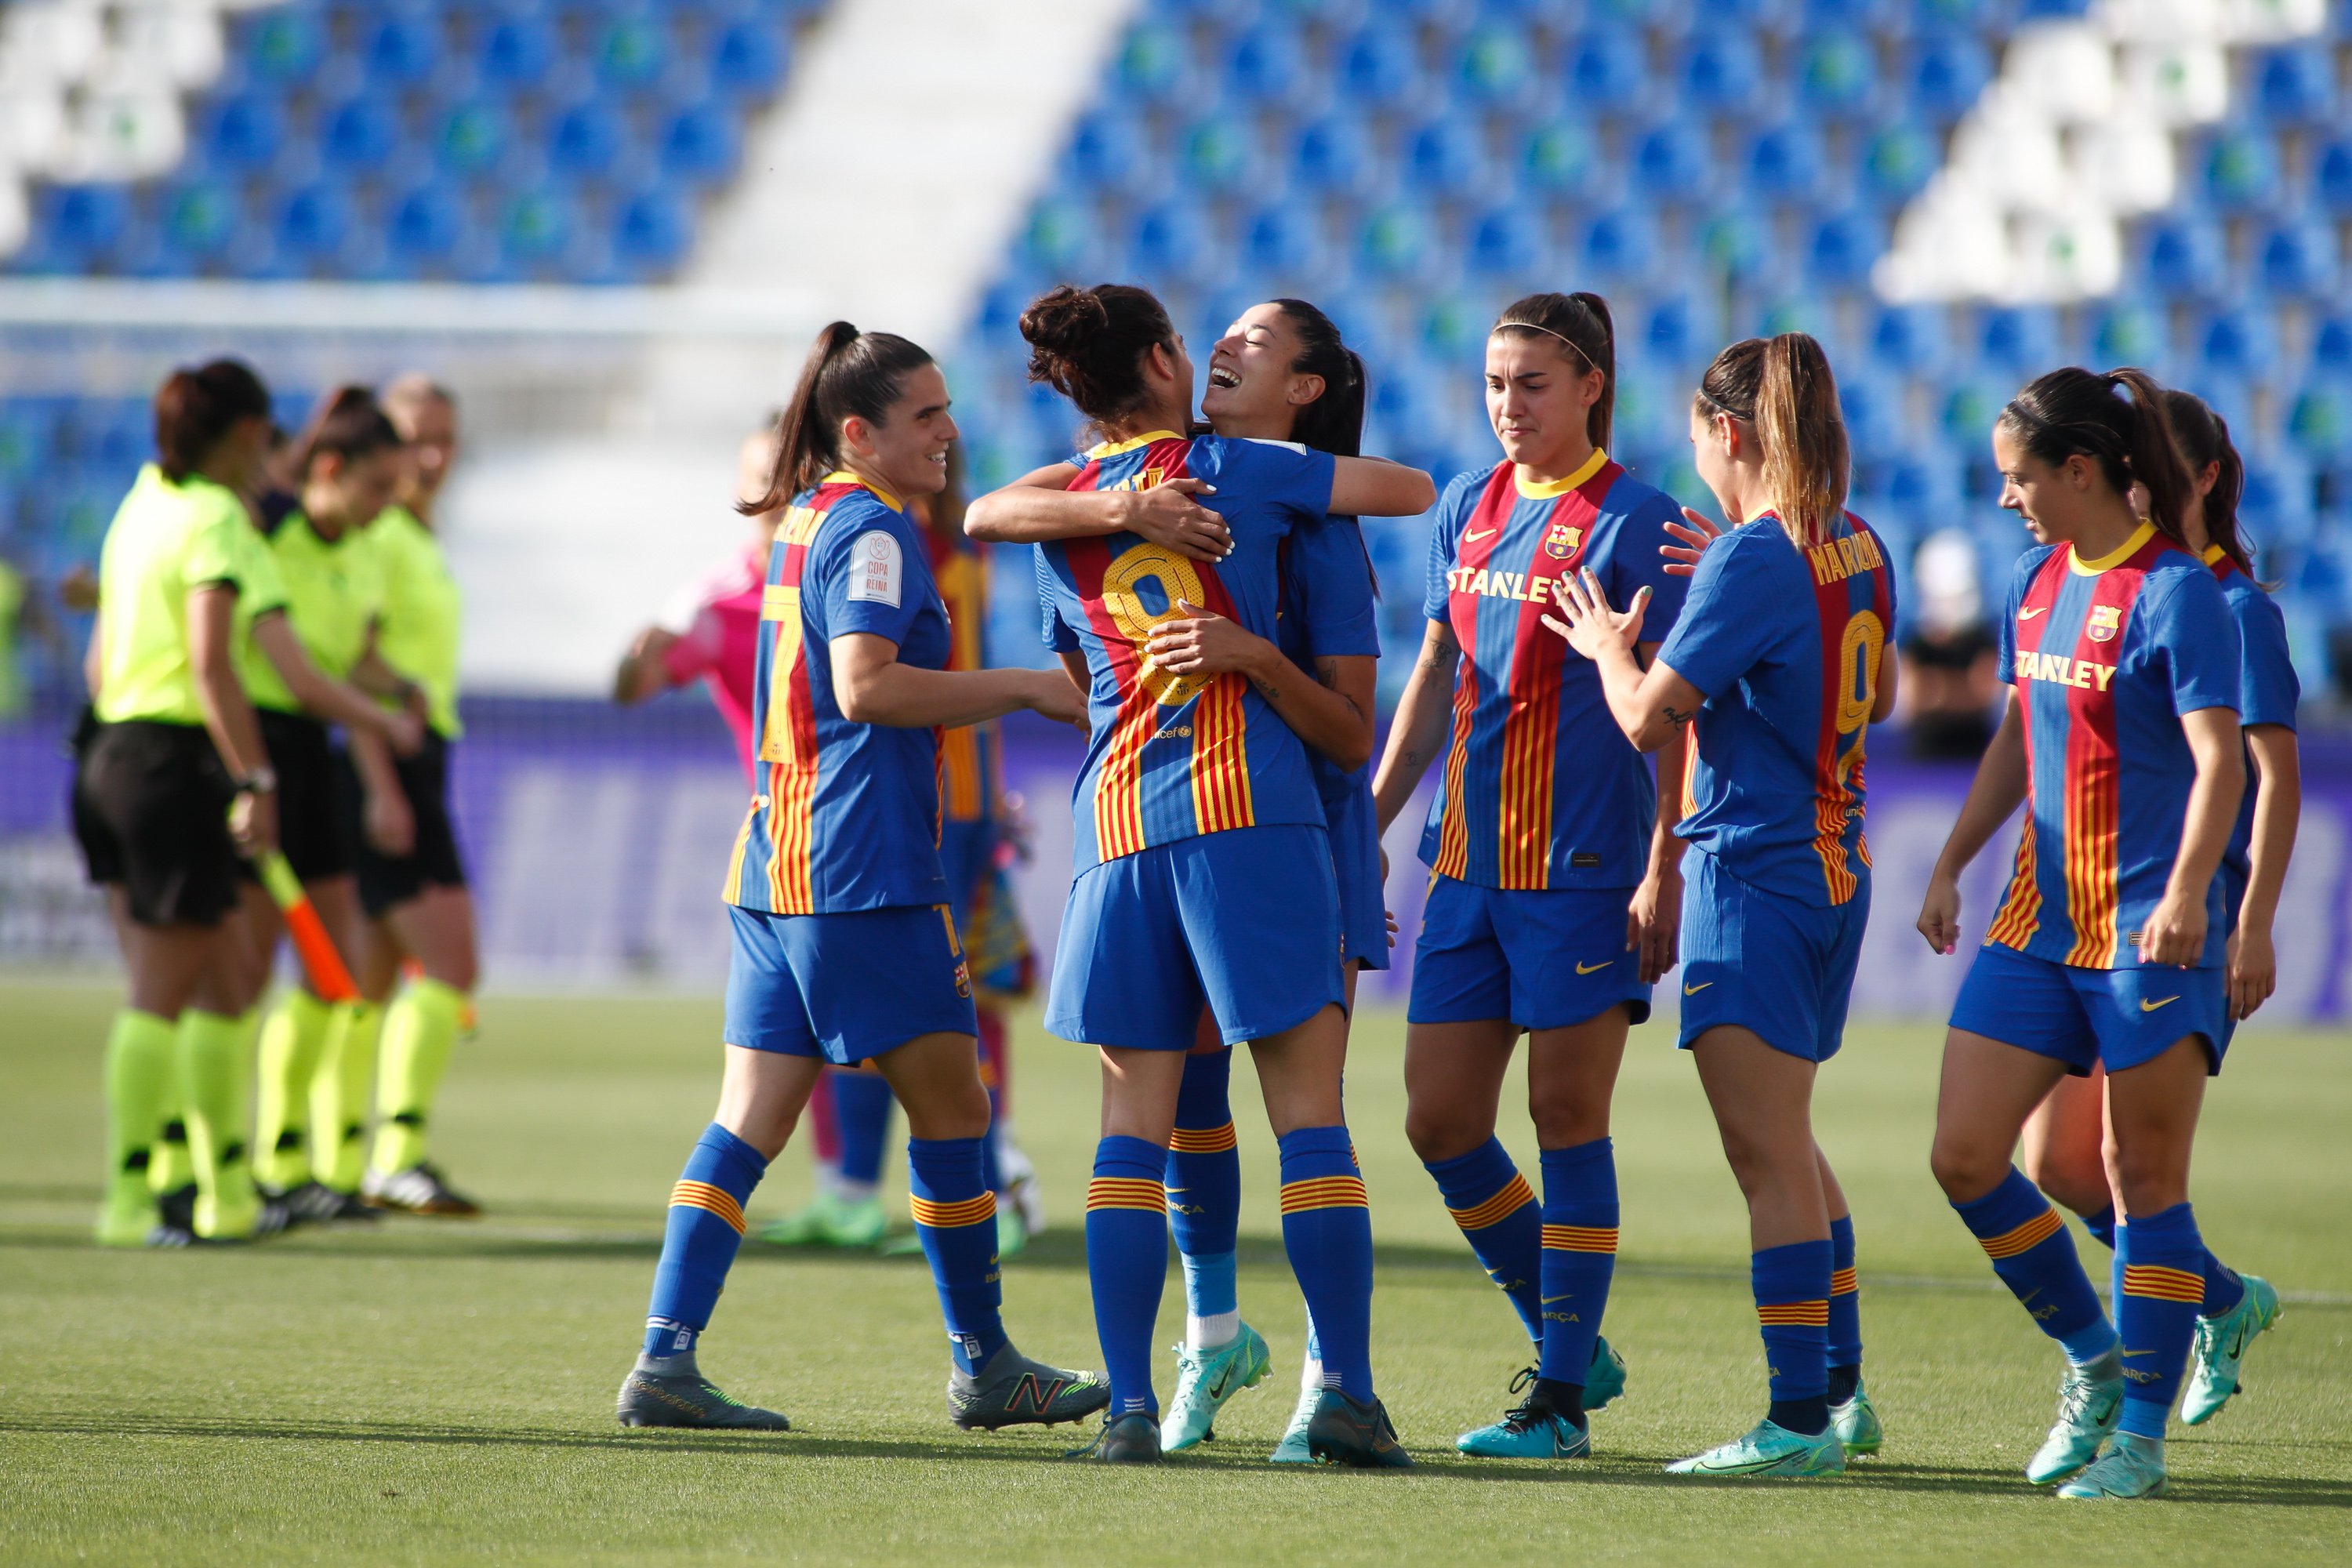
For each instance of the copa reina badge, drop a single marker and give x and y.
(1561, 542)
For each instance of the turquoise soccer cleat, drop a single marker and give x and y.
(1527, 1434)
(1769, 1450)
(2221, 1349)
(1605, 1379)
(1856, 1423)
(1205, 1380)
(1293, 1448)
(2089, 1410)
(2133, 1467)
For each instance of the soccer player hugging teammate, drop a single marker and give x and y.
(1779, 663)
(2066, 1146)
(2121, 739)
(1552, 892)
(843, 948)
(1204, 867)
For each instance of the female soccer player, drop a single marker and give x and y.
(2068, 1151)
(1554, 888)
(172, 786)
(411, 877)
(1780, 657)
(843, 948)
(2121, 739)
(1205, 870)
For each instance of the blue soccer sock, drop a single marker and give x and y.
(1579, 1254)
(861, 1105)
(1501, 1221)
(2164, 1285)
(2035, 1258)
(1792, 1307)
(1326, 1229)
(2223, 1289)
(706, 1227)
(955, 1215)
(2102, 1226)
(1205, 1198)
(1845, 1313)
(1126, 1263)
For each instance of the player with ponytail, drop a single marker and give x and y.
(1777, 668)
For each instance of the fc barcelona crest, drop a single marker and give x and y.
(1561, 542)
(2107, 620)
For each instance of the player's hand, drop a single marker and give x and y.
(403, 732)
(1653, 922)
(1053, 694)
(1393, 927)
(1203, 643)
(2253, 971)
(1586, 620)
(253, 822)
(78, 590)
(1696, 533)
(1168, 515)
(390, 824)
(1940, 914)
(2175, 933)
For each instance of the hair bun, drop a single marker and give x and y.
(1061, 320)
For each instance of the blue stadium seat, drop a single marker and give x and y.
(1908, 337)
(1667, 332)
(2125, 334)
(2294, 86)
(585, 139)
(358, 135)
(700, 143)
(1263, 65)
(1873, 407)
(517, 52)
(2240, 170)
(2320, 421)
(285, 45)
(2237, 344)
(1618, 246)
(748, 59)
(1606, 68)
(246, 133)
(1217, 152)
(471, 138)
(1284, 239)
(1154, 63)
(1377, 66)
(2183, 258)
(1452, 328)
(534, 229)
(1836, 72)
(1721, 70)
(399, 47)
(2331, 166)
(2296, 261)
(630, 51)
(1506, 241)
(1105, 150)
(1895, 163)
(1672, 162)
(1730, 243)
(81, 226)
(1943, 72)
(1396, 241)
(1168, 242)
(1560, 157)
(1332, 156)
(1786, 163)
(2014, 344)
(200, 218)
(1445, 156)
(312, 224)
(2331, 349)
(651, 233)
(1493, 66)
(424, 228)
(1842, 247)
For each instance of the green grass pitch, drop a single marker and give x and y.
(440, 1392)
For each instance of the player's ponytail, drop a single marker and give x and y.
(1088, 345)
(1803, 433)
(1581, 326)
(2203, 438)
(2117, 421)
(347, 424)
(195, 408)
(849, 375)
(1333, 422)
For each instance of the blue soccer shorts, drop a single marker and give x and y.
(1356, 866)
(1245, 922)
(1775, 965)
(1544, 959)
(2118, 1018)
(967, 855)
(845, 987)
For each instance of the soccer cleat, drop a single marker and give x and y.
(2221, 1349)
(1013, 1391)
(315, 1202)
(830, 1221)
(129, 1213)
(1012, 1232)
(1527, 1432)
(1205, 1380)
(1605, 1379)
(1130, 1439)
(1293, 1448)
(1771, 1450)
(2089, 1410)
(1856, 1423)
(1362, 1437)
(2133, 1467)
(1025, 1193)
(687, 1398)
(419, 1189)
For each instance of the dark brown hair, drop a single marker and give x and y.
(1581, 325)
(347, 423)
(1784, 386)
(849, 375)
(1333, 422)
(195, 408)
(2116, 419)
(2203, 438)
(1088, 344)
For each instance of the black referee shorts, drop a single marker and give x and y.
(150, 812)
(309, 825)
(434, 861)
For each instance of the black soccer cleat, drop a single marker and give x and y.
(1361, 1436)
(687, 1399)
(1130, 1439)
(1013, 1391)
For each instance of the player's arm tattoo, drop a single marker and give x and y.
(1436, 654)
(1676, 716)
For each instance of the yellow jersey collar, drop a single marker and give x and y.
(843, 477)
(2119, 554)
(1557, 488)
(1113, 448)
(2213, 553)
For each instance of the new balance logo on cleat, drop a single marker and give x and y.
(1013, 1391)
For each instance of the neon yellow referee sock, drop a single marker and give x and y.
(138, 1082)
(339, 1095)
(292, 1038)
(419, 1029)
(212, 1053)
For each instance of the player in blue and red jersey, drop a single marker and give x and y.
(1553, 886)
(844, 951)
(2067, 1148)
(1779, 664)
(1204, 867)
(2121, 740)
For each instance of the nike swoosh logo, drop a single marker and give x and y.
(1695, 990)
(1548, 1300)
(2148, 1007)
(2027, 615)
(1223, 1378)
(2027, 1300)
(2128, 1354)
(1583, 968)
(1476, 534)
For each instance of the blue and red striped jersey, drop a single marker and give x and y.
(2106, 656)
(1787, 645)
(848, 814)
(971, 781)
(1173, 756)
(2268, 690)
(1541, 788)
